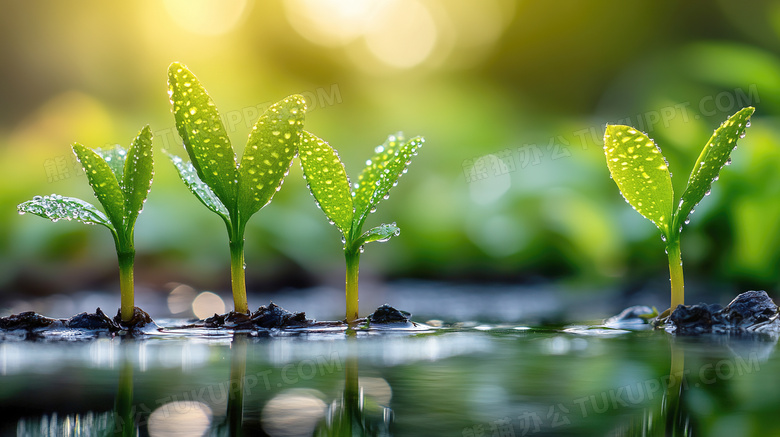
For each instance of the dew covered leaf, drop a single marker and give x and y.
(269, 152)
(380, 233)
(203, 133)
(104, 184)
(115, 158)
(327, 180)
(202, 191)
(641, 173)
(381, 173)
(712, 158)
(56, 207)
(138, 171)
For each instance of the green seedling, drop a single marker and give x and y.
(641, 172)
(347, 206)
(232, 190)
(121, 180)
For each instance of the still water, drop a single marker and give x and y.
(477, 380)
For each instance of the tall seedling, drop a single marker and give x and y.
(233, 190)
(642, 174)
(121, 180)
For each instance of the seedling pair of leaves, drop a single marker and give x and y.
(347, 206)
(641, 172)
(121, 179)
(231, 189)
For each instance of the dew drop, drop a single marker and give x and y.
(747, 124)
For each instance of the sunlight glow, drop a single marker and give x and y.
(206, 17)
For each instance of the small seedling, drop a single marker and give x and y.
(642, 174)
(347, 206)
(121, 180)
(233, 191)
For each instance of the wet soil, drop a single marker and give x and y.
(749, 312)
(752, 311)
(266, 319)
(97, 321)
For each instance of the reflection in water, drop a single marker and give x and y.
(670, 417)
(467, 382)
(360, 411)
(125, 425)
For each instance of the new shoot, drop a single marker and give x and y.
(347, 206)
(232, 189)
(121, 180)
(641, 172)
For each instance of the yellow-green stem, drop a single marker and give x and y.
(126, 285)
(676, 273)
(238, 276)
(353, 263)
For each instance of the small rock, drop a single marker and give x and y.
(275, 317)
(388, 314)
(631, 316)
(750, 308)
(28, 320)
(96, 320)
(693, 319)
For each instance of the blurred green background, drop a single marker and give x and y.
(512, 97)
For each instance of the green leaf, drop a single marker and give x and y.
(203, 133)
(269, 152)
(380, 233)
(202, 191)
(56, 207)
(712, 158)
(641, 173)
(138, 172)
(104, 184)
(115, 158)
(382, 171)
(327, 180)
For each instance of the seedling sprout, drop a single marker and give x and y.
(347, 206)
(641, 172)
(121, 180)
(233, 190)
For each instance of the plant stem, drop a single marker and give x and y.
(675, 272)
(353, 262)
(126, 284)
(238, 276)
